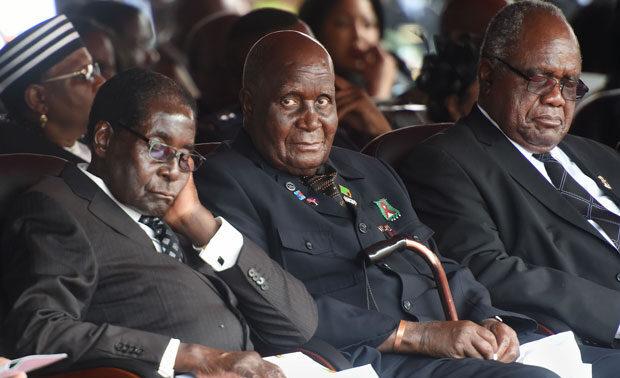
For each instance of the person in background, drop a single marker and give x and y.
(135, 45)
(448, 78)
(351, 30)
(98, 39)
(48, 81)
(221, 119)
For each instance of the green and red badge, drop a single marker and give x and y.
(388, 211)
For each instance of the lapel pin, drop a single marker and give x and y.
(603, 181)
(349, 200)
(300, 196)
(345, 191)
(386, 230)
(290, 186)
(312, 201)
(388, 211)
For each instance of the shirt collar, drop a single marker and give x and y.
(133, 214)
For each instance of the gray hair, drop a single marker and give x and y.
(506, 26)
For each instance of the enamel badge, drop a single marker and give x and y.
(300, 196)
(388, 211)
(603, 181)
(312, 201)
(345, 191)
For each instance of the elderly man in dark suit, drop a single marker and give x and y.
(92, 267)
(532, 211)
(314, 207)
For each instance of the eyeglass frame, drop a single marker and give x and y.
(177, 154)
(88, 72)
(560, 82)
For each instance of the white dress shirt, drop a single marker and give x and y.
(80, 150)
(220, 253)
(576, 173)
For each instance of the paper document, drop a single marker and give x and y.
(298, 365)
(29, 363)
(558, 353)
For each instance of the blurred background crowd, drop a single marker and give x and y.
(399, 62)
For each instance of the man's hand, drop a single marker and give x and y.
(206, 362)
(358, 110)
(187, 216)
(455, 339)
(506, 337)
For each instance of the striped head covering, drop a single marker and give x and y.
(36, 50)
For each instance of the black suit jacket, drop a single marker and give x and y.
(84, 278)
(320, 244)
(493, 211)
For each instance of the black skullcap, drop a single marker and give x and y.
(36, 50)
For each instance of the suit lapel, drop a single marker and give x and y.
(522, 171)
(103, 207)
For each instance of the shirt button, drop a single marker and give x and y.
(407, 305)
(416, 238)
(309, 245)
(264, 287)
(252, 272)
(260, 281)
(363, 228)
(618, 277)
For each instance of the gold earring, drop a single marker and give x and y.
(42, 121)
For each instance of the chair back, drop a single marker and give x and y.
(394, 146)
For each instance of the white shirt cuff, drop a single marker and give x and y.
(618, 333)
(223, 249)
(166, 366)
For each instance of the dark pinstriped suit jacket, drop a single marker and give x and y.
(84, 279)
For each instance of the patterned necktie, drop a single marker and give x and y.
(587, 205)
(324, 183)
(168, 240)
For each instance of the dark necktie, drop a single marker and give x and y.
(168, 240)
(324, 183)
(587, 205)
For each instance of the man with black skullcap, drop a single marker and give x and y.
(47, 83)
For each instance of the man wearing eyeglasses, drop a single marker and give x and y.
(93, 268)
(534, 212)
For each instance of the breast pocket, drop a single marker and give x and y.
(309, 242)
(306, 254)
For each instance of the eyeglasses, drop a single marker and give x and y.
(163, 153)
(571, 90)
(87, 73)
